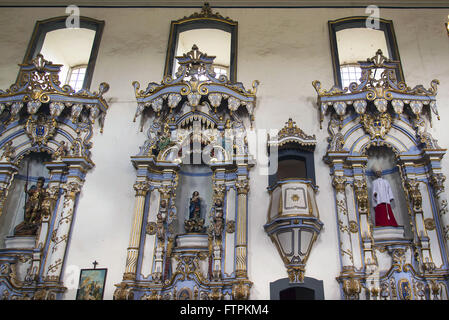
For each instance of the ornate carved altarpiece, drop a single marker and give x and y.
(195, 117)
(38, 115)
(380, 111)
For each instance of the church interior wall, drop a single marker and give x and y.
(285, 49)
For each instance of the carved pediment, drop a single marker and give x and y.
(38, 84)
(384, 93)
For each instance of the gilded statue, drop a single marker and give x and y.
(34, 209)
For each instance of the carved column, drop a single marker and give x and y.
(141, 187)
(76, 170)
(415, 198)
(61, 230)
(241, 228)
(437, 182)
(215, 238)
(346, 253)
(361, 192)
(57, 171)
(7, 171)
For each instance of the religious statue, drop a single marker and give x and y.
(382, 199)
(195, 206)
(34, 209)
(195, 222)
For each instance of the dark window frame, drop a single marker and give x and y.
(360, 22)
(294, 154)
(182, 25)
(43, 26)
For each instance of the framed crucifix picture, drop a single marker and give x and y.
(91, 284)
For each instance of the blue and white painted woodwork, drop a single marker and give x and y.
(192, 120)
(389, 114)
(39, 115)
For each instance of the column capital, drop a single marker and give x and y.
(242, 186)
(339, 183)
(141, 188)
(72, 188)
(437, 182)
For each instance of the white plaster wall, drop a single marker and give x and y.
(285, 49)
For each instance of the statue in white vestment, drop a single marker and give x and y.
(382, 200)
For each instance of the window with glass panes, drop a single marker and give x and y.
(76, 77)
(350, 73)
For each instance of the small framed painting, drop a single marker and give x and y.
(91, 285)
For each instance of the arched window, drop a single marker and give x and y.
(310, 289)
(212, 34)
(74, 48)
(352, 41)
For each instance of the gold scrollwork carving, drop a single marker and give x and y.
(8, 151)
(429, 223)
(414, 193)
(151, 228)
(437, 182)
(241, 290)
(230, 226)
(352, 287)
(339, 183)
(353, 226)
(361, 192)
(376, 126)
(296, 273)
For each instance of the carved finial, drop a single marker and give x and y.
(206, 10)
